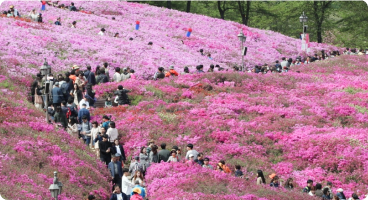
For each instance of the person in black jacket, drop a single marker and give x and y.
(117, 194)
(105, 150)
(34, 85)
(102, 78)
(122, 95)
(118, 148)
(90, 76)
(90, 94)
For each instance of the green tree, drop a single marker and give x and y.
(244, 9)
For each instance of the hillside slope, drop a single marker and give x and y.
(31, 150)
(23, 45)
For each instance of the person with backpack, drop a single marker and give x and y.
(64, 87)
(86, 130)
(84, 112)
(90, 76)
(171, 72)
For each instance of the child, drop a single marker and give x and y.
(238, 172)
(108, 102)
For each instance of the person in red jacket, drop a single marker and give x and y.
(171, 72)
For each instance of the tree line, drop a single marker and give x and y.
(341, 23)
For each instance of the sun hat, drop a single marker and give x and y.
(75, 67)
(137, 190)
(191, 155)
(272, 175)
(340, 190)
(172, 67)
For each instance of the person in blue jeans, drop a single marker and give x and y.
(86, 130)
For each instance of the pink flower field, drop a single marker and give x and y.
(307, 125)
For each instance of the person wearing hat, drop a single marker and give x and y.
(139, 190)
(274, 180)
(340, 194)
(102, 32)
(125, 75)
(105, 149)
(136, 194)
(57, 95)
(14, 11)
(84, 101)
(191, 160)
(91, 197)
(115, 169)
(122, 95)
(171, 72)
(117, 194)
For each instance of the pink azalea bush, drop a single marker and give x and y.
(307, 125)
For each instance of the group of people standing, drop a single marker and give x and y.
(324, 193)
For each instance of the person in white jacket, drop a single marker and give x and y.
(117, 76)
(126, 185)
(112, 132)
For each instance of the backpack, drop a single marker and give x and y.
(64, 88)
(68, 113)
(71, 112)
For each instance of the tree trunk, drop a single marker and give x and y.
(247, 12)
(221, 10)
(168, 4)
(244, 13)
(188, 6)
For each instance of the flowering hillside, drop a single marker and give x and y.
(31, 150)
(307, 125)
(25, 44)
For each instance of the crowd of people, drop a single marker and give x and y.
(68, 98)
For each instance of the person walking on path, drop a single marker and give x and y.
(105, 149)
(115, 170)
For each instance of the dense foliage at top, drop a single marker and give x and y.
(307, 125)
